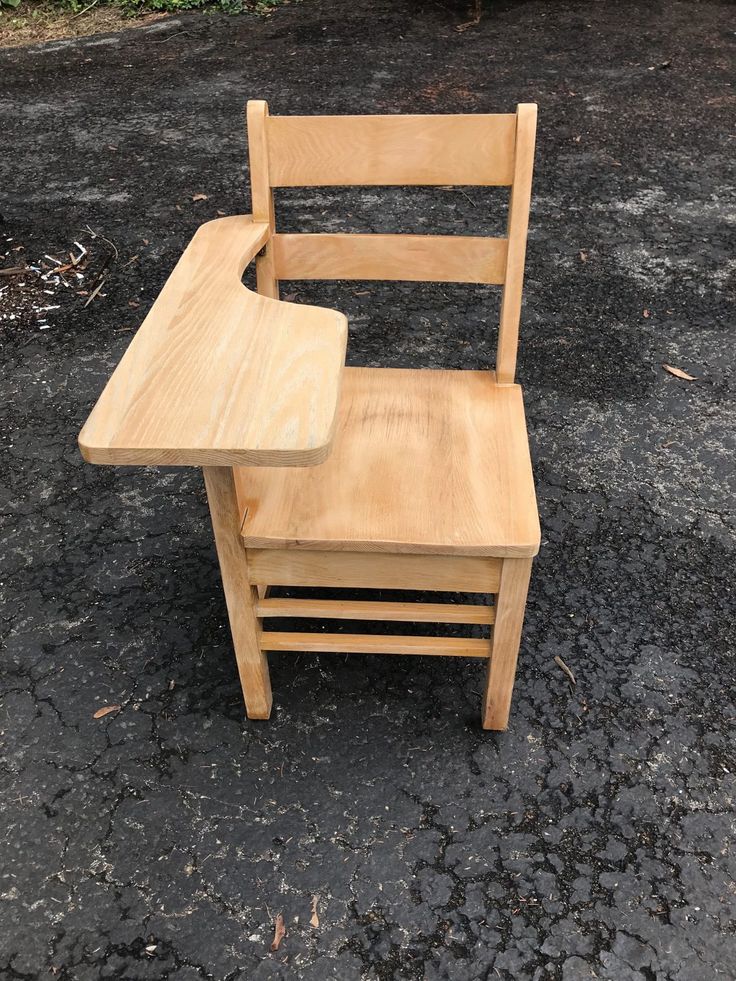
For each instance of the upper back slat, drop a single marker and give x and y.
(323, 151)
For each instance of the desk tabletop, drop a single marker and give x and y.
(218, 375)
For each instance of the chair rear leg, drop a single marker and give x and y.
(240, 596)
(510, 605)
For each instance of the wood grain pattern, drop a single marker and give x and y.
(219, 375)
(240, 596)
(429, 484)
(374, 644)
(321, 151)
(376, 610)
(510, 605)
(433, 462)
(425, 258)
(372, 570)
(518, 223)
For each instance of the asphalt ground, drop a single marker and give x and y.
(594, 839)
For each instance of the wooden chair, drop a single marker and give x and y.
(352, 478)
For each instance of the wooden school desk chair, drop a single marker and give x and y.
(325, 476)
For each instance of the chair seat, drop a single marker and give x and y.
(423, 461)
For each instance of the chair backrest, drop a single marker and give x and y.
(321, 151)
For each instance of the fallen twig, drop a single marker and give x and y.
(99, 277)
(561, 664)
(164, 39)
(94, 293)
(97, 235)
(88, 7)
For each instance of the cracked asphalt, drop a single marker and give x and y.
(594, 839)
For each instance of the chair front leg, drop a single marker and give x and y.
(510, 605)
(240, 596)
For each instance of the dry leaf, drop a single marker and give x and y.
(561, 664)
(314, 920)
(106, 710)
(200, 197)
(679, 373)
(279, 932)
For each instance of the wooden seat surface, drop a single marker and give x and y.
(422, 461)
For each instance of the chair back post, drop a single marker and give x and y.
(518, 223)
(261, 193)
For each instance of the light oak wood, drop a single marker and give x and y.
(319, 151)
(518, 223)
(375, 610)
(414, 258)
(240, 596)
(261, 194)
(428, 485)
(372, 570)
(433, 462)
(374, 644)
(219, 375)
(510, 604)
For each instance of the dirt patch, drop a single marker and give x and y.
(34, 23)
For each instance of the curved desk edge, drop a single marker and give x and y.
(218, 375)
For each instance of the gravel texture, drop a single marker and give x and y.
(595, 838)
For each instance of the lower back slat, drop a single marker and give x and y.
(412, 258)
